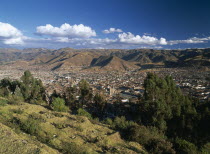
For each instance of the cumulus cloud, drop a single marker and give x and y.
(10, 35)
(66, 30)
(112, 30)
(124, 40)
(81, 36)
(147, 40)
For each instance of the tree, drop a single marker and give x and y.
(151, 138)
(163, 101)
(5, 85)
(58, 104)
(85, 92)
(70, 96)
(32, 89)
(99, 102)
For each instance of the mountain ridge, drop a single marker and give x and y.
(124, 59)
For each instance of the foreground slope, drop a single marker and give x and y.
(11, 143)
(60, 131)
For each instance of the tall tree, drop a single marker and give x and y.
(85, 92)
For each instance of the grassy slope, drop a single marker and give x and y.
(58, 129)
(12, 143)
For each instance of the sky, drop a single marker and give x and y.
(101, 24)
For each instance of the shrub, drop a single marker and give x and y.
(185, 147)
(72, 148)
(79, 128)
(13, 99)
(120, 123)
(108, 121)
(95, 121)
(157, 146)
(58, 104)
(206, 148)
(150, 138)
(17, 111)
(82, 112)
(31, 126)
(3, 102)
(38, 102)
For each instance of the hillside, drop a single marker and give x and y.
(112, 63)
(52, 131)
(11, 142)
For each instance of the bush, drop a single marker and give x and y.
(82, 112)
(150, 138)
(120, 123)
(58, 104)
(13, 99)
(30, 126)
(72, 148)
(206, 148)
(157, 146)
(17, 111)
(3, 102)
(185, 147)
(95, 121)
(37, 102)
(108, 121)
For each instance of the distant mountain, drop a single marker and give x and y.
(106, 59)
(112, 63)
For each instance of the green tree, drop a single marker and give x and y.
(85, 92)
(99, 102)
(32, 89)
(70, 96)
(162, 102)
(58, 104)
(151, 138)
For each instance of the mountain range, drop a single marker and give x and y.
(105, 59)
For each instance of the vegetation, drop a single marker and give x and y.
(58, 104)
(31, 126)
(29, 89)
(82, 112)
(162, 121)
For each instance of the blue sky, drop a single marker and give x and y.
(167, 24)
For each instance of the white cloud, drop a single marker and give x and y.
(112, 30)
(66, 30)
(163, 41)
(10, 35)
(14, 41)
(124, 40)
(147, 40)
(81, 36)
(193, 40)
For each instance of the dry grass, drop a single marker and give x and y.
(12, 143)
(58, 129)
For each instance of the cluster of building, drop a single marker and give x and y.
(126, 85)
